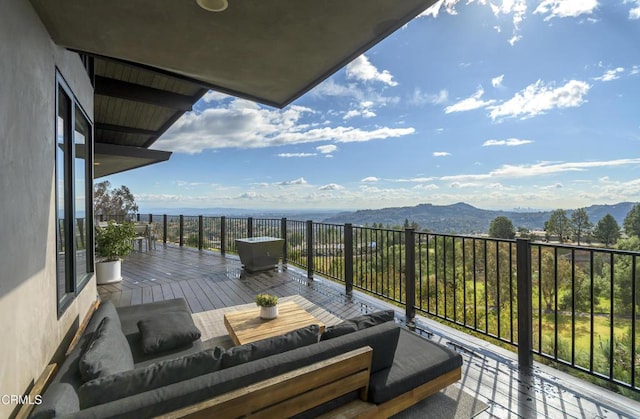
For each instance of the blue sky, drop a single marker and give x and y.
(504, 104)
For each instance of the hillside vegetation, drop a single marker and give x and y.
(462, 218)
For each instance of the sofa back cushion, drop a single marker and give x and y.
(270, 346)
(127, 383)
(357, 323)
(105, 309)
(106, 353)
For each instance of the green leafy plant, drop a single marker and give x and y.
(115, 241)
(266, 300)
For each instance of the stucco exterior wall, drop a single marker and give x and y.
(31, 330)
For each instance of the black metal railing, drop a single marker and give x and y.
(572, 305)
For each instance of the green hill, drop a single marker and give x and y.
(462, 218)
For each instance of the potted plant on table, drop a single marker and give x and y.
(268, 306)
(113, 242)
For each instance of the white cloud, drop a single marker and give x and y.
(537, 98)
(497, 81)
(441, 153)
(299, 181)
(244, 124)
(517, 8)
(543, 168)
(213, 96)
(510, 142)
(362, 69)
(634, 12)
(470, 103)
(363, 111)
(611, 74)
(331, 187)
(556, 185)
(428, 187)
(565, 8)
(415, 179)
(434, 10)
(326, 149)
(296, 154)
(418, 97)
(371, 179)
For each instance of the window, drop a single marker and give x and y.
(74, 195)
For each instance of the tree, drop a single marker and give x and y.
(580, 224)
(607, 230)
(632, 221)
(558, 224)
(524, 233)
(555, 276)
(502, 228)
(113, 203)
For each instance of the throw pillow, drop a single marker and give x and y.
(271, 346)
(357, 323)
(165, 331)
(127, 383)
(339, 329)
(106, 353)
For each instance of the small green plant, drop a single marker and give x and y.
(115, 241)
(266, 300)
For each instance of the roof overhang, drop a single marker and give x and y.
(270, 51)
(110, 159)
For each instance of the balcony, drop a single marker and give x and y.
(436, 284)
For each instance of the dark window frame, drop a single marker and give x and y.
(68, 280)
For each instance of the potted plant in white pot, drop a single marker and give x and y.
(113, 242)
(268, 306)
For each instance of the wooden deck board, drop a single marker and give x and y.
(208, 281)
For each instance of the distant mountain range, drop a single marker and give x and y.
(462, 218)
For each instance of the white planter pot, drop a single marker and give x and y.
(268, 313)
(108, 272)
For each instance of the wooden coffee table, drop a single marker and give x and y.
(246, 326)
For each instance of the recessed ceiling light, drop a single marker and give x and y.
(213, 5)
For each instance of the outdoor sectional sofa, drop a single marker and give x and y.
(366, 364)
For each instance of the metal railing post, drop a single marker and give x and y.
(250, 227)
(164, 229)
(200, 231)
(309, 249)
(410, 276)
(223, 234)
(348, 258)
(181, 230)
(283, 234)
(150, 218)
(525, 307)
(138, 217)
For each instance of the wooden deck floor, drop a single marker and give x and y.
(208, 281)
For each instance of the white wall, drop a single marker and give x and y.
(30, 330)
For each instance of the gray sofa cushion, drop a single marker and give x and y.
(129, 316)
(60, 399)
(127, 383)
(357, 323)
(105, 309)
(166, 331)
(417, 361)
(271, 346)
(106, 353)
